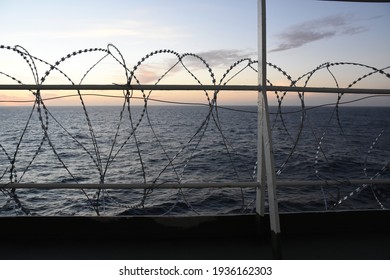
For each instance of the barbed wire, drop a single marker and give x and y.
(187, 152)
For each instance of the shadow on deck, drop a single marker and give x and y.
(330, 235)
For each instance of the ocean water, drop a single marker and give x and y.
(187, 144)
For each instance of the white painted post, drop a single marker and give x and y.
(266, 172)
(261, 175)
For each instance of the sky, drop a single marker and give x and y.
(301, 35)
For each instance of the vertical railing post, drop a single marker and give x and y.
(265, 160)
(261, 175)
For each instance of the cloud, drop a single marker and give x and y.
(224, 57)
(147, 75)
(304, 33)
(104, 30)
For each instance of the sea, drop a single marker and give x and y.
(189, 144)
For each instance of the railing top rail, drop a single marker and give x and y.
(178, 87)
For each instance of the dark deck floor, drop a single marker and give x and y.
(332, 235)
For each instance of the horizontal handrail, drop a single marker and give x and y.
(194, 87)
(286, 183)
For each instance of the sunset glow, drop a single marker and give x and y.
(301, 35)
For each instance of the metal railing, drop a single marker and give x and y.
(285, 183)
(157, 87)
